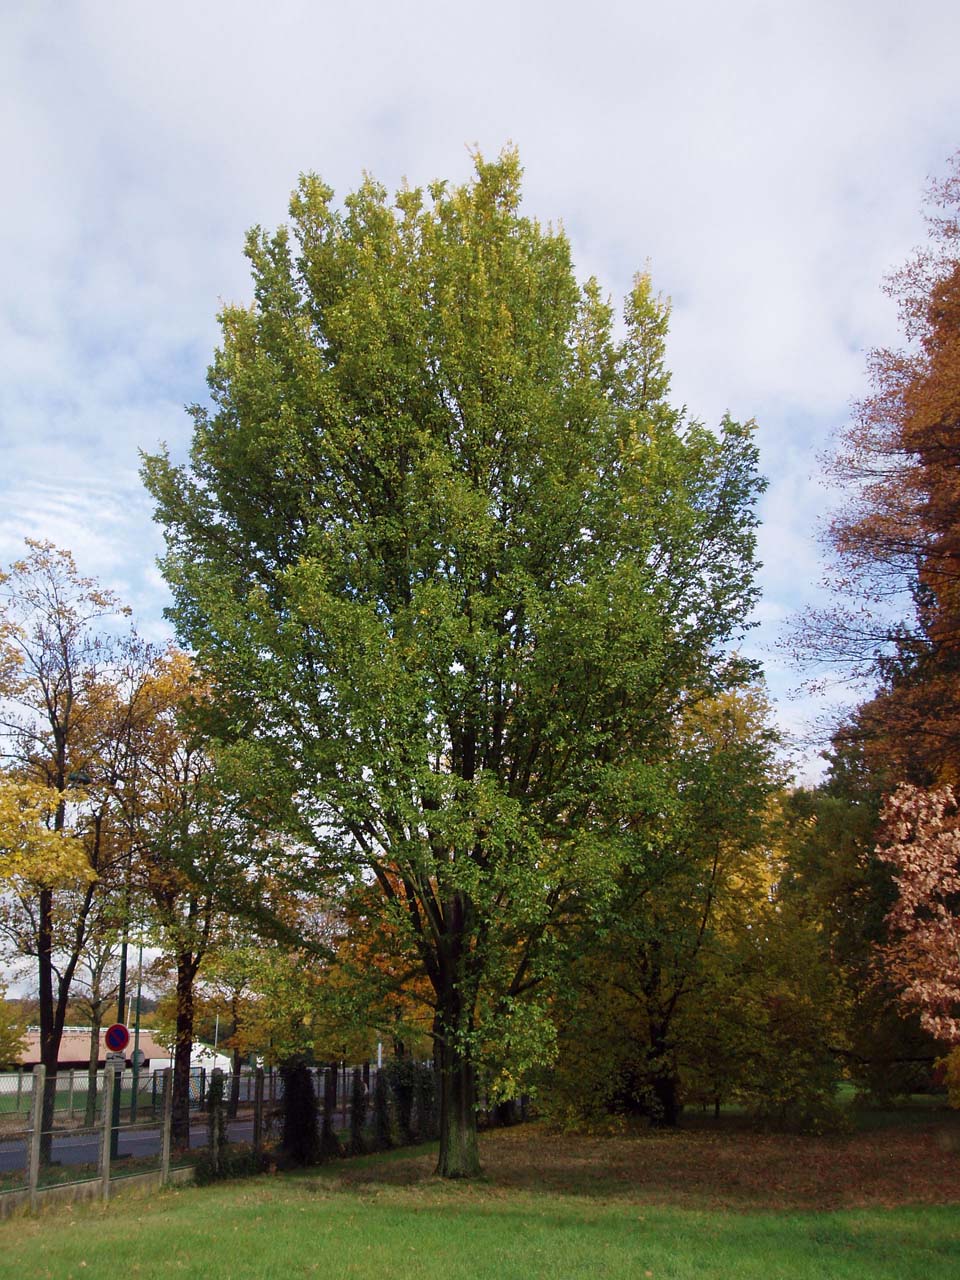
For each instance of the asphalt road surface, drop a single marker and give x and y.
(84, 1148)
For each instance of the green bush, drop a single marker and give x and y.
(402, 1076)
(235, 1162)
(425, 1103)
(792, 1084)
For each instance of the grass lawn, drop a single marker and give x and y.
(876, 1204)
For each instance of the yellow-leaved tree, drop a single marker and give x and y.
(68, 680)
(31, 848)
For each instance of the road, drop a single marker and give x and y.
(84, 1148)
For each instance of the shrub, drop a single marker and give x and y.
(382, 1126)
(300, 1142)
(234, 1162)
(425, 1099)
(402, 1076)
(950, 1066)
(793, 1086)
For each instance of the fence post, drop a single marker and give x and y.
(166, 1126)
(70, 1097)
(109, 1084)
(39, 1081)
(258, 1110)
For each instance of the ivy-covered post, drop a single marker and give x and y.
(258, 1110)
(425, 1102)
(216, 1120)
(166, 1126)
(382, 1128)
(329, 1143)
(358, 1113)
(402, 1075)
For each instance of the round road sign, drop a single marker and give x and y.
(117, 1037)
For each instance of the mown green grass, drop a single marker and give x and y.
(11, 1105)
(302, 1226)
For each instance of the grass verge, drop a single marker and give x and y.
(678, 1206)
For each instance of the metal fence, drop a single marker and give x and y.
(77, 1096)
(119, 1141)
(74, 1092)
(113, 1131)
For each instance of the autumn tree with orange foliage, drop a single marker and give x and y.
(921, 841)
(185, 830)
(897, 541)
(897, 547)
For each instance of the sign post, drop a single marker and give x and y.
(116, 1039)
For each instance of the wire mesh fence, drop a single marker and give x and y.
(120, 1125)
(77, 1092)
(111, 1133)
(15, 1093)
(14, 1160)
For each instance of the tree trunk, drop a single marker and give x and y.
(459, 1148)
(90, 1112)
(53, 1006)
(180, 1127)
(668, 1102)
(51, 1026)
(49, 1034)
(456, 995)
(664, 1081)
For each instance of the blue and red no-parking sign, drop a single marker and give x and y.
(117, 1037)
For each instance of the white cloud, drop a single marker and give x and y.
(767, 159)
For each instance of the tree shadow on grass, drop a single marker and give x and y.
(741, 1171)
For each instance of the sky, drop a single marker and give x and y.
(766, 160)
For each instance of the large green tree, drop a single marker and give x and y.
(454, 564)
